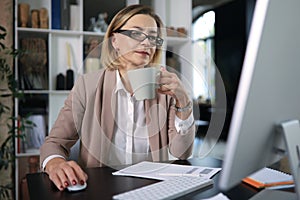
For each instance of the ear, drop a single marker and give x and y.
(114, 42)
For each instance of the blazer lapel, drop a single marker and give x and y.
(105, 111)
(109, 103)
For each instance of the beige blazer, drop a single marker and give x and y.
(88, 114)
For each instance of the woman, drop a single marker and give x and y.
(102, 112)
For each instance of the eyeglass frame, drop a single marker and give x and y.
(158, 40)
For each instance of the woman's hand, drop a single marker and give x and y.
(171, 85)
(65, 173)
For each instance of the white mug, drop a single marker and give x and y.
(144, 82)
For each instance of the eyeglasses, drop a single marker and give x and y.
(140, 36)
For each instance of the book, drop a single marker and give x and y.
(55, 14)
(20, 140)
(267, 177)
(74, 21)
(65, 14)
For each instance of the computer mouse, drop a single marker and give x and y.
(77, 187)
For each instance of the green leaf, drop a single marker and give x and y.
(2, 28)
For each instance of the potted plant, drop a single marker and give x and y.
(9, 131)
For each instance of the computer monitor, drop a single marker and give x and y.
(268, 95)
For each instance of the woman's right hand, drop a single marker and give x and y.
(65, 173)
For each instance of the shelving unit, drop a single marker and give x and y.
(57, 59)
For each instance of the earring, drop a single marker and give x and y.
(117, 50)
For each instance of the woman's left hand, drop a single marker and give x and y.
(171, 85)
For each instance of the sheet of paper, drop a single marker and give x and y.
(164, 171)
(219, 196)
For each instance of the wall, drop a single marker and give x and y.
(6, 20)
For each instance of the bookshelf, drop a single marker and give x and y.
(44, 100)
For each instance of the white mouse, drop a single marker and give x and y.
(77, 187)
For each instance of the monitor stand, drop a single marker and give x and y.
(291, 134)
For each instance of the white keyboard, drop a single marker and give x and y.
(167, 189)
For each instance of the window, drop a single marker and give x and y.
(203, 33)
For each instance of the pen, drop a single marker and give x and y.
(179, 174)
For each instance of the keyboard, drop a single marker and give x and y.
(167, 189)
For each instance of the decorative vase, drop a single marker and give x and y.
(34, 18)
(23, 14)
(44, 18)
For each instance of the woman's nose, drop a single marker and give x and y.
(146, 41)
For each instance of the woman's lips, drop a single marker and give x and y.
(143, 52)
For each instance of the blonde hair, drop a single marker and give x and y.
(109, 57)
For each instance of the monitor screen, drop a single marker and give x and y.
(268, 93)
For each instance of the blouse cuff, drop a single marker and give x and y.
(183, 125)
(48, 159)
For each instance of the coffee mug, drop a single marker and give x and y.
(144, 82)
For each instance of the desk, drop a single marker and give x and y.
(103, 185)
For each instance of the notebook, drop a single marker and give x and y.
(268, 177)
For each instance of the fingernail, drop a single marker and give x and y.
(66, 183)
(82, 182)
(74, 182)
(61, 187)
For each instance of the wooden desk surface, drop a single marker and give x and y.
(103, 185)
